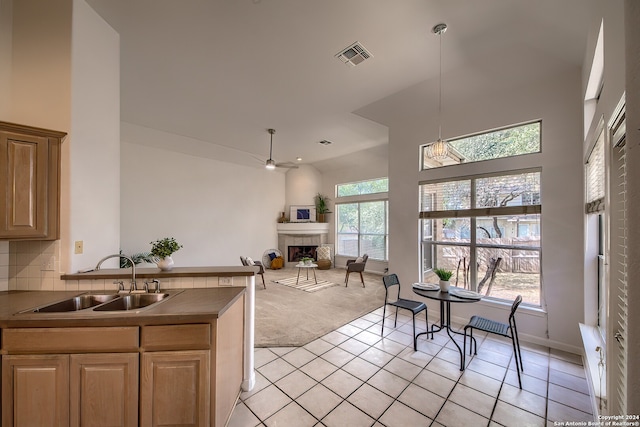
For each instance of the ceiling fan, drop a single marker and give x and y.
(270, 163)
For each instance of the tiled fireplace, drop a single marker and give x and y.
(296, 240)
(296, 253)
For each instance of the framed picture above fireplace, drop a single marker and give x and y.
(304, 213)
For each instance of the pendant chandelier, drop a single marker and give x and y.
(270, 163)
(440, 149)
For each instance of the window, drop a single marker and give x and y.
(594, 173)
(486, 229)
(362, 228)
(362, 219)
(507, 142)
(363, 187)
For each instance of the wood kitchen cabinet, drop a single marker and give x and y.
(35, 390)
(76, 376)
(70, 390)
(174, 388)
(29, 182)
(124, 369)
(103, 390)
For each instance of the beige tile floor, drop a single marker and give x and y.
(352, 377)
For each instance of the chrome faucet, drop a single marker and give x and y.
(155, 282)
(120, 285)
(133, 268)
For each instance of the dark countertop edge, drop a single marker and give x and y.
(160, 315)
(151, 273)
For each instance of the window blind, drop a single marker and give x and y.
(619, 280)
(594, 175)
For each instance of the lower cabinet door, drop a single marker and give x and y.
(35, 390)
(174, 388)
(104, 389)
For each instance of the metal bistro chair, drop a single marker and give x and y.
(414, 307)
(503, 329)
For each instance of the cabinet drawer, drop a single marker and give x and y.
(176, 337)
(70, 340)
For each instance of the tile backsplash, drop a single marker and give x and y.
(34, 266)
(29, 268)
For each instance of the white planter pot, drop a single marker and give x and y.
(444, 285)
(165, 264)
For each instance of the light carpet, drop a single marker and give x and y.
(287, 317)
(307, 285)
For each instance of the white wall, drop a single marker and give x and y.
(301, 186)
(41, 64)
(361, 166)
(64, 75)
(92, 184)
(6, 38)
(216, 210)
(6, 27)
(555, 100)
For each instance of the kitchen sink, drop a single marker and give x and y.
(132, 302)
(76, 303)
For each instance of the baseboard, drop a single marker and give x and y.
(546, 342)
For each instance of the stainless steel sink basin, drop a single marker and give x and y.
(132, 302)
(76, 303)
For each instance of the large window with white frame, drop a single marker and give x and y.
(362, 219)
(486, 229)
(505, 142)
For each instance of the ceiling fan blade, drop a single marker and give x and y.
(286, 165)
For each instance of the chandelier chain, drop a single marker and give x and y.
(440, 90)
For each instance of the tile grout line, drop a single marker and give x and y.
(397, 355)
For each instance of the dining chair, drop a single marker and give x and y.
(414, 307)
(248, 262)
(508, 330)
(356, 266)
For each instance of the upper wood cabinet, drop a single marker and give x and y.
(29, 182)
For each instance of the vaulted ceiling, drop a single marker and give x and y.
(224, 71)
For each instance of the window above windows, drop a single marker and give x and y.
(372, 186)
(506, 142)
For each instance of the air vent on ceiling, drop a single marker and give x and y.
(354, 54)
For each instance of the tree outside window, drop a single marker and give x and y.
(362, 228)
(486, 229)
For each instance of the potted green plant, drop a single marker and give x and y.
(444, 275)
(322, 207)
(162, 249)
(137, 259)
(306, 260)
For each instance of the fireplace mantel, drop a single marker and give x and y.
(301, 228)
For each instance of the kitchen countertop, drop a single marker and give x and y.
(182, 307)
(155, 273)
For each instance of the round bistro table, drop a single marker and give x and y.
(313, 267)
(445, 299)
